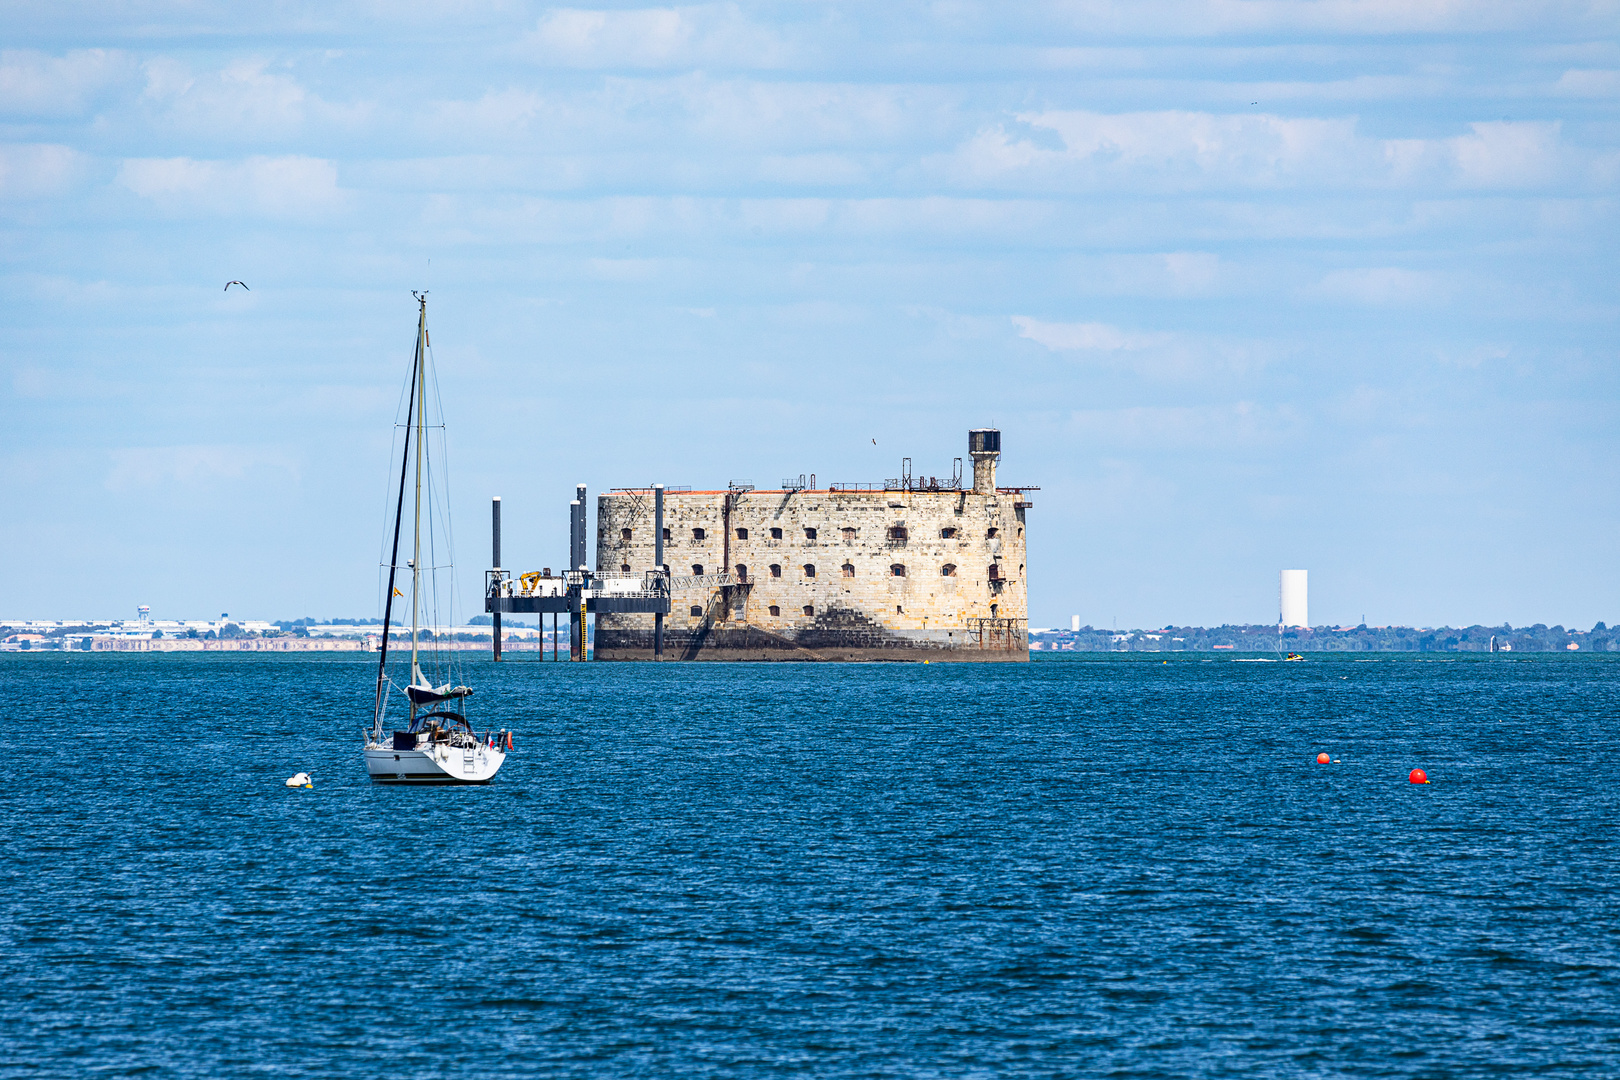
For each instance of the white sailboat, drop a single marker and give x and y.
(438, 744)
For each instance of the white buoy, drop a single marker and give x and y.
(300, 780)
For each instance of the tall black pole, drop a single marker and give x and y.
(658, 564)
(495, 545)
(584, 563)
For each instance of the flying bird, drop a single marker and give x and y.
(874, 442)
(228, 285)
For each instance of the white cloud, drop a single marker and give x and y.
(1085, 337)
(244, 100)
(1155, 355)
(502, 115)
(34, 84)
(1189, 18)
(813, 169)
(1172, 150)
(193, 467)
(1377, 285)
(1590, 83)
(1473, 357)
(623, 269)
(32, 171)
(1504, 155)
(1214, 427)
(286, 187)
(672, 37)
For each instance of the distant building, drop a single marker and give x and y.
(1292, 605)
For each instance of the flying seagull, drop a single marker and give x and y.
(228, 285)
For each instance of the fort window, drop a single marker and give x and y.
(990, 534)
(624, 568)
(849, 569)
(809, 569)
(898, 569)
(948, 570)
(947, 534)
(666, 534)
(995, 572)
(809, 533)
(775, 611)
(809, 609)
(897, 532)
(742, 534)
(697, 612)
(697, 534)
(697, 568)
(624, 534)
(849, 535)
(776, 570)
(776, 534)
(742, 572)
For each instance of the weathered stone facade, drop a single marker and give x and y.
(826, 574)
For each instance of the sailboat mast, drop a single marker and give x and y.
(420, 377)
(393, 564)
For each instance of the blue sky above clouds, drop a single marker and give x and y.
(1247, 285)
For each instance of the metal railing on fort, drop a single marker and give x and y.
(702, 581)
(633, 583)
(922, 483)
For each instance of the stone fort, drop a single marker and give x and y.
(906, 570)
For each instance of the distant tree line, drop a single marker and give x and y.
(1265, 639)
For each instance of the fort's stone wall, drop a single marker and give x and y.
(836, 575)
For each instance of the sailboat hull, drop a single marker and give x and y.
(437, 765)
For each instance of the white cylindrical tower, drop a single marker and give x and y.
(1291, 594)
(1074, 624)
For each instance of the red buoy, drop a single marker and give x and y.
(1322, 759)
(1419, 777)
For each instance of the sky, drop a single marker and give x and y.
(1247, 285)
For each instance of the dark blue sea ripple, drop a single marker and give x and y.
(1079, 867)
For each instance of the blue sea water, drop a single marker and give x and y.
(1110, 867)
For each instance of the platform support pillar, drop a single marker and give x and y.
(658, 562)
(495, 560)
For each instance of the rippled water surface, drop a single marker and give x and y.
(1076, 867)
